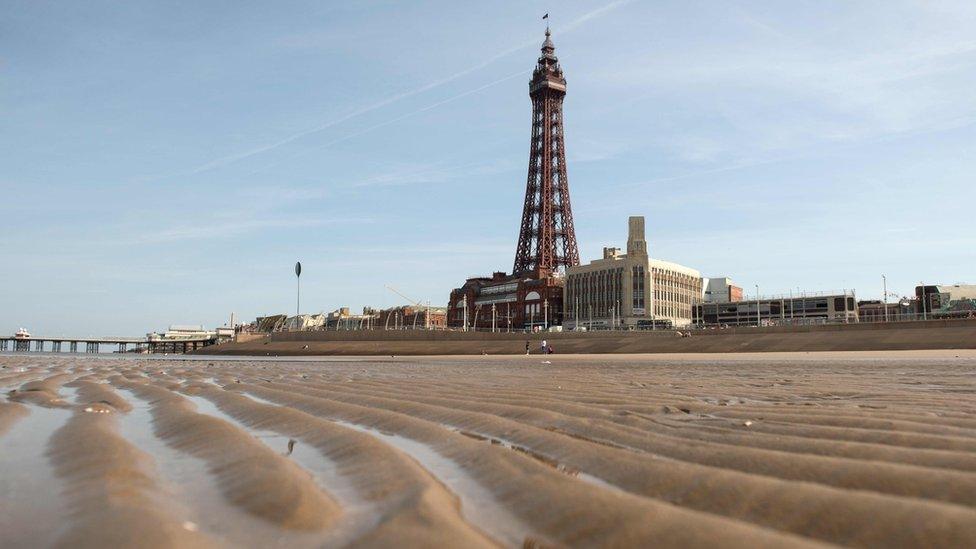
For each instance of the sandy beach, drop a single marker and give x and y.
(860, 449)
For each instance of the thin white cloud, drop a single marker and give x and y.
(230, 159)
(433, 173)
(791, 93)
(394, 120)
(227, 229)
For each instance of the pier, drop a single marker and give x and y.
(95, 345)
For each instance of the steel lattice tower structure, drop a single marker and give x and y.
(547, 239)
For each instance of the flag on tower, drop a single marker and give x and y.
(546, 16)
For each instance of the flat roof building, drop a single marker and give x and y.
(943, 301)
(630, 290)
(720, 289)
(816, 308)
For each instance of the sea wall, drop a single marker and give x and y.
(935, 334)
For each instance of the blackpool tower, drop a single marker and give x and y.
(547, 240)
(532, 295)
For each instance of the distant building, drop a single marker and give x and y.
(525, 300)
(179, 332)
(412, 317)
(225, 333)
(630, 290)
(343, 319)
(958, 300)
(304, 322)
(720, 290)
(267, 324)
(803, 309)
(874, 311)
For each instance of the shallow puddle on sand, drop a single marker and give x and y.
(478, 506)
(196, 490)
(359, 515)
(15, 376)
(68, 394)
(551, 462)
(31, 510)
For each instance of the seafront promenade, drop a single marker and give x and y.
(933, 334)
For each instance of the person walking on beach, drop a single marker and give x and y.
(544, 347)
(526, 347)
(549, 350)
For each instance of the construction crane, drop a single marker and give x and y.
(397, 292)
(415, 303)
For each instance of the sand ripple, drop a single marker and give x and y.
(853, 450)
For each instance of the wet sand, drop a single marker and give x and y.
(870, 449)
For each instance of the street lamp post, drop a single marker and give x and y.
(921, 300)
(791, 306)
(758, 310)
(577, 313)
(884, 289)
(298, 294)
(474, 323)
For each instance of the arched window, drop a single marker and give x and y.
(532, 295)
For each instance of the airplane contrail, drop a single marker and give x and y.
(572, 25)
(395, 119)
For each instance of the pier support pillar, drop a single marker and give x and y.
(39, 346)
(73, 347)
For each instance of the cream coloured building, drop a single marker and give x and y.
(630, 290)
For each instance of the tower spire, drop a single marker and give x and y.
(547, 239)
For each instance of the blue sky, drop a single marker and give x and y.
(168, 162)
